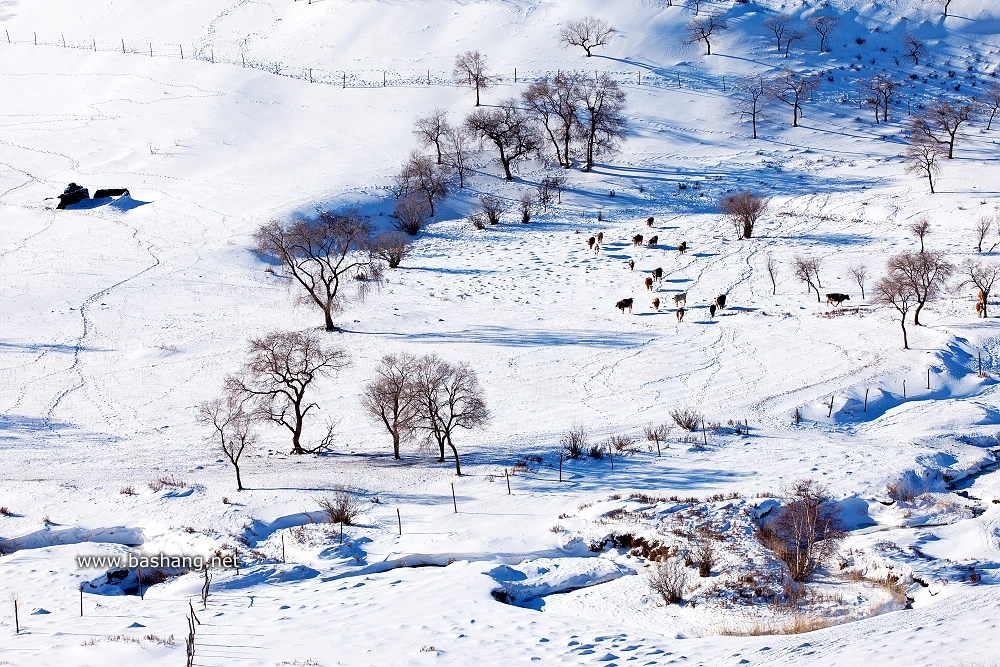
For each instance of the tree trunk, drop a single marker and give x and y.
(297, 434)
(916, 313)
(930, 180)
(951, 148)
(458, 467)
(753, 121)
(817, 293)
(395, 444)
(709, 45)
(328, 318)
(239, 482)
(902, 323)
(477, 93)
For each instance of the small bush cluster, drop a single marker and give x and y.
(167, 481)
(668, 580)
(342, 507)
(687, 419)
(574, 441)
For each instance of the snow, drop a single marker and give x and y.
(118, 317)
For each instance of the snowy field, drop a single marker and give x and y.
(118, 318)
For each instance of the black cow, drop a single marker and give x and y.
(623, 304)
(658, 273)
(652, 241)
(637, 239)
(720, 301)
(836, 298)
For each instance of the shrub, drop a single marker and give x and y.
(597, 452)
(668, 580)
(391, 248)
(127, 491)
(704, 553)
(411, 214)
(165, 481)
(620, 444)
(687, 419)
(5, 511)
(343, 507)
(478, 220)
(493, 208)
(574, 442)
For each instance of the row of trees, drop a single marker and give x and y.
(410, 394)
(567, 111)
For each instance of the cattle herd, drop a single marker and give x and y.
(680, 299)
(656, 275)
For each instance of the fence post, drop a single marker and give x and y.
(64, 41)
(282, 548)
(36, 39)
(123, 45)
(515, 75)
(310, 75)
(94, 42)
(428, 77)
(150, 49)
(17, 622)
(454, 502)
(866, 401)
(345, 81)
(399, 520)
(639, 77)
(81, 599)
(182, 50)
(244, 57)
(928, 377)
(560, 466)
(383, 78)
(212, 52)
(507, 475)
(904, 388)
(830, 411)
(8, 35)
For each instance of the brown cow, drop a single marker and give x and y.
(600, 237)
(649, 283)
(590, 242)
(631, 265)
(982, 297)
(649, 221)
(656, 303)
(680, 314)
(652, 241)
(979, 309)
(637, 240)
(682, 248)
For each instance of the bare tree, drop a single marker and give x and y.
(279, 371)
(601, 121)
(448, 397)
(946, 3)
(860, 273)
(232, 425)
(555, 105)
(752, 95)
(924, 272)
(743, 209)
(771, 265)
(391, 248)
(919, 228)
(914, 48)
(510, 129)
(587, 33)
(421, 176)
(806, 530)
(881, 89)
(557, 183)
(921, 156)
(982, 276)
(823, 24)
(894, 291)
(411, 213)
(392, 398)
(431, 130)
(807, 270)
(990, 102)
(322, 255)
(944, 118)
(458, 141)
(701, 29)
(792, 88)
(779, 25)
(982, 230)
(470, 69)
(793, 36)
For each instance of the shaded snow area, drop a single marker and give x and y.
(122, 316)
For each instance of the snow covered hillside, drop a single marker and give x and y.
(120, 317)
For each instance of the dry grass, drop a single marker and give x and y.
(167, 481)
(798, 624)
